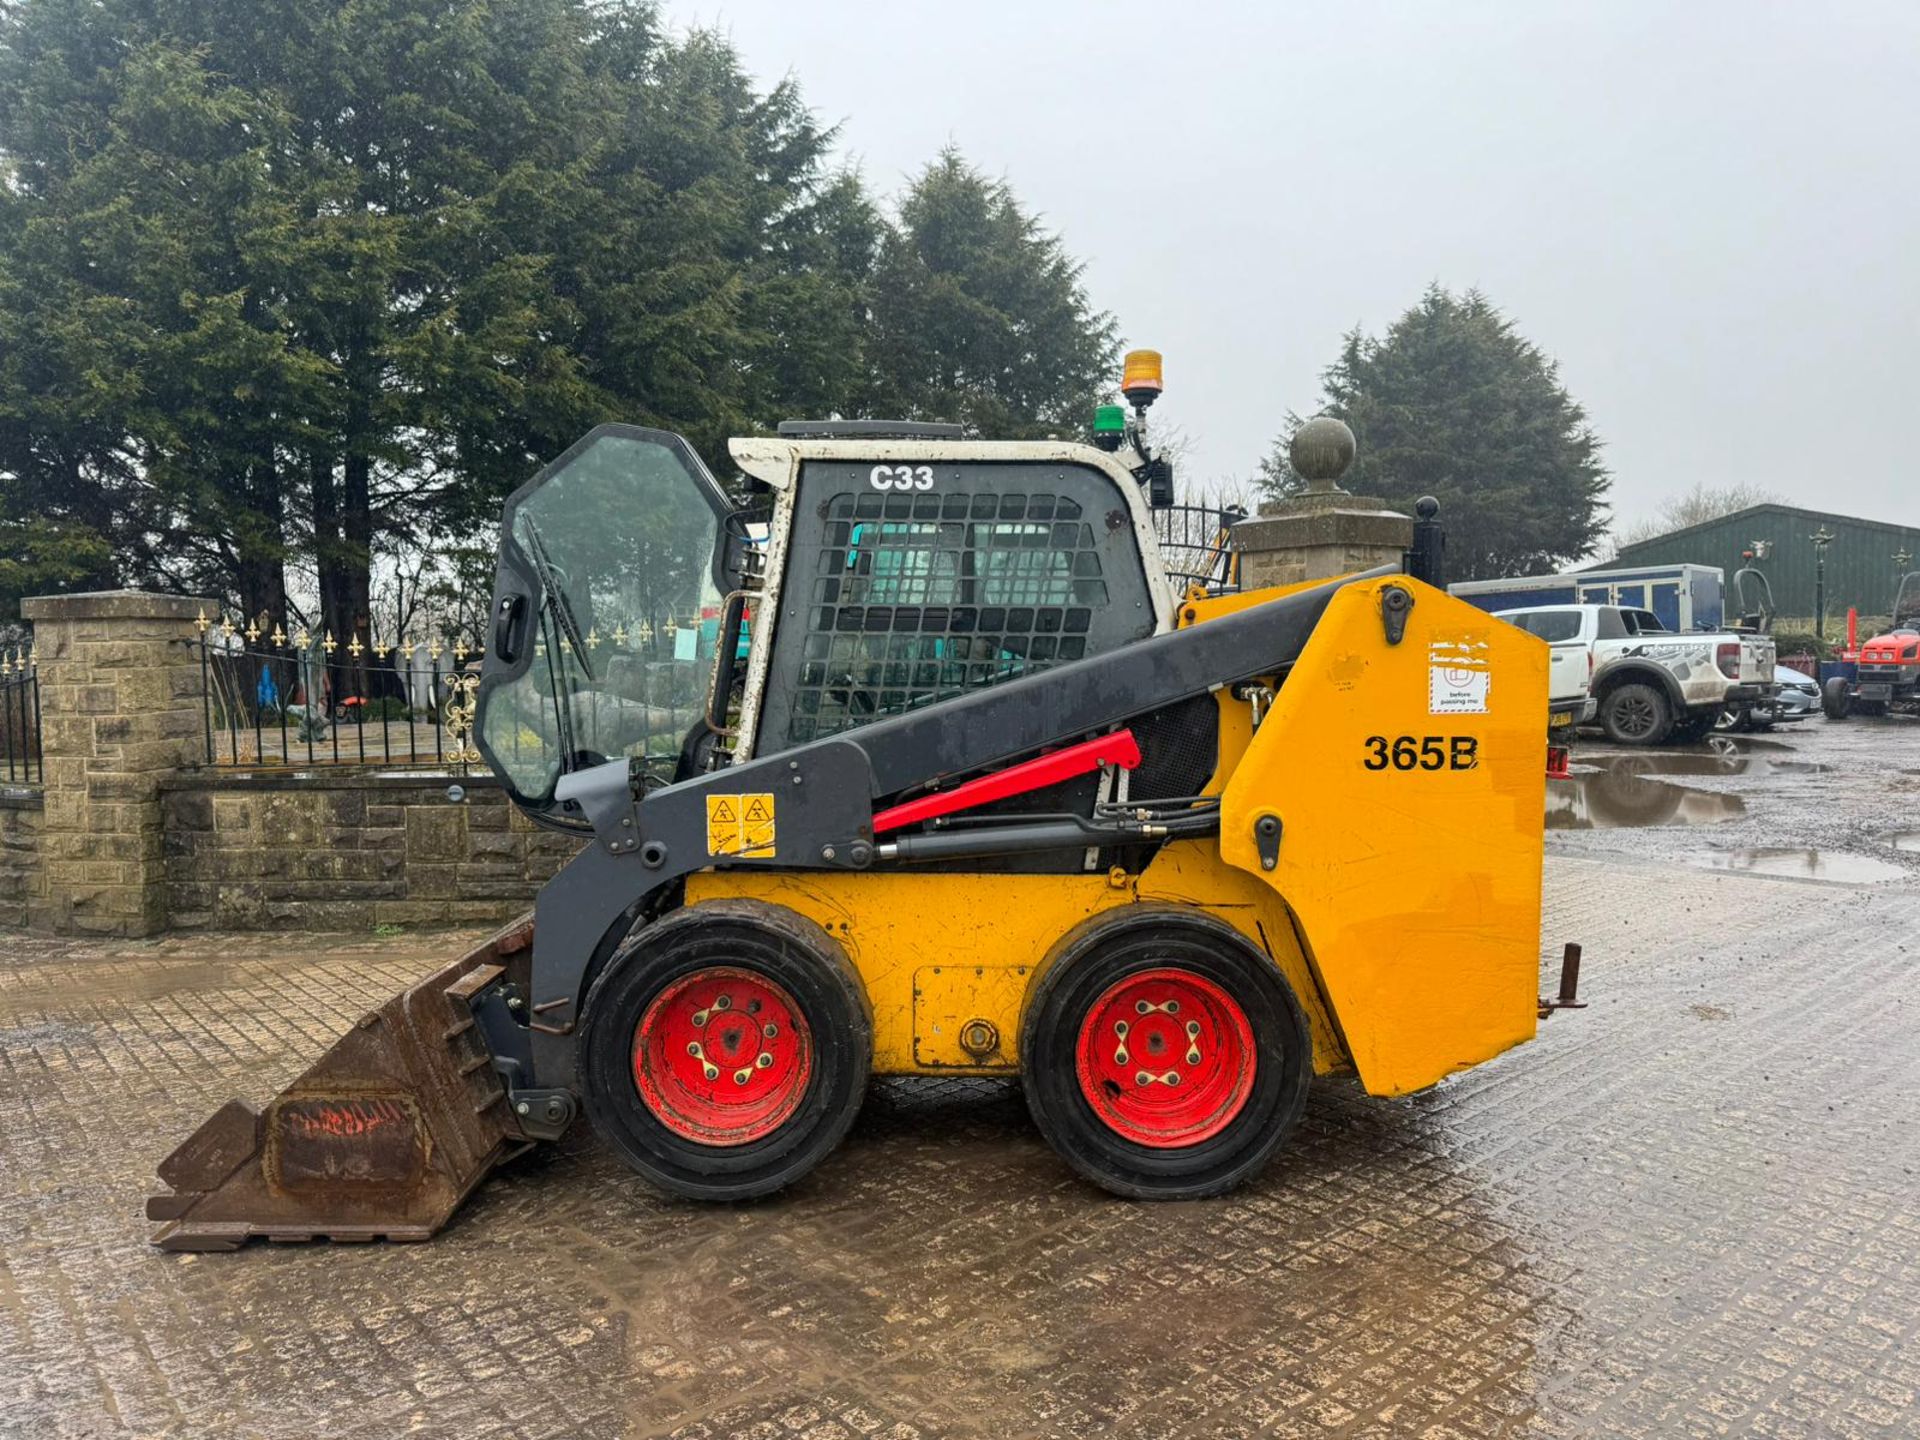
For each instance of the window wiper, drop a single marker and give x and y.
(557, 597)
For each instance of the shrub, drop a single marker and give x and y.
(1800, 642)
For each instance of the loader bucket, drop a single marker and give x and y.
(382, 1138)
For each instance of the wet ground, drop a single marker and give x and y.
(1688, 1210)
(1813, 800)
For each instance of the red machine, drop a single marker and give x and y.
(1886, 669)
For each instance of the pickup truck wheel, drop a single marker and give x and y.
(1836, 698)
(1636, 715)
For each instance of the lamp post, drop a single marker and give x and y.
(1821, 539)
(1901, 559)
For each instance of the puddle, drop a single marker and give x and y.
(1720, 756)
(1621, 793)
(70, 987)
(1910, 840)
(1834, 865)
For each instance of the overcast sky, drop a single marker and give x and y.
(1708, 213)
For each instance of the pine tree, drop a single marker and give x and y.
(299, 280)
(287, 284)
(980, 315)
(1452, 402)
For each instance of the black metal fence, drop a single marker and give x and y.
(1194, 545)
(20, 718)
(298, 700)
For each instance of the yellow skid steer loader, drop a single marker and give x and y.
(918, 764)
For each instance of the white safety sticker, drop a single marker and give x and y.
(1458, 678)
(1457, 692)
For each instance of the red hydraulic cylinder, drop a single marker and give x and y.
(1119, 748)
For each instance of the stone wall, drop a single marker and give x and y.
(348, 852)
(23, 883)
(131, 834)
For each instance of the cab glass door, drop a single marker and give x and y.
(607, 611)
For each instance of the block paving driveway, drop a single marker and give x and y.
(1693, 1209)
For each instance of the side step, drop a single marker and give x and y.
(381, 1139)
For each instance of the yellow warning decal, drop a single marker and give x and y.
(740, 825)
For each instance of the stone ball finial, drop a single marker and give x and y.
(1321, 450)
(1426, 507)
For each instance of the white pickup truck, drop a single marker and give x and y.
(1649, 684)
(1569, 698)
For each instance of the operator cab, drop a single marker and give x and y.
(641, 612)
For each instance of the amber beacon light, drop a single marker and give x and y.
(1140, 379)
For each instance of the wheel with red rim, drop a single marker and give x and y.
(1163, 1056)
(724, 1050)
(722, 1056)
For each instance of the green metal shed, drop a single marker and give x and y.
(1862, 564)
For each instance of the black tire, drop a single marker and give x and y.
(1085, 968)
(1734, 720)
(1636, 714)
(1836, 698)
(765, 941)
(1692, 729)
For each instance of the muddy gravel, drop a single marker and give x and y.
(1687, 1210)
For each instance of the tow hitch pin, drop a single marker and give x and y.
(1569, 985)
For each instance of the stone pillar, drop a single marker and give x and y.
(120, 709)
(1324, 532)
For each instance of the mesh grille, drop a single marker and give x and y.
(920, 597)
(1179, 749)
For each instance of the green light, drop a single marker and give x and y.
(1110, 420)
